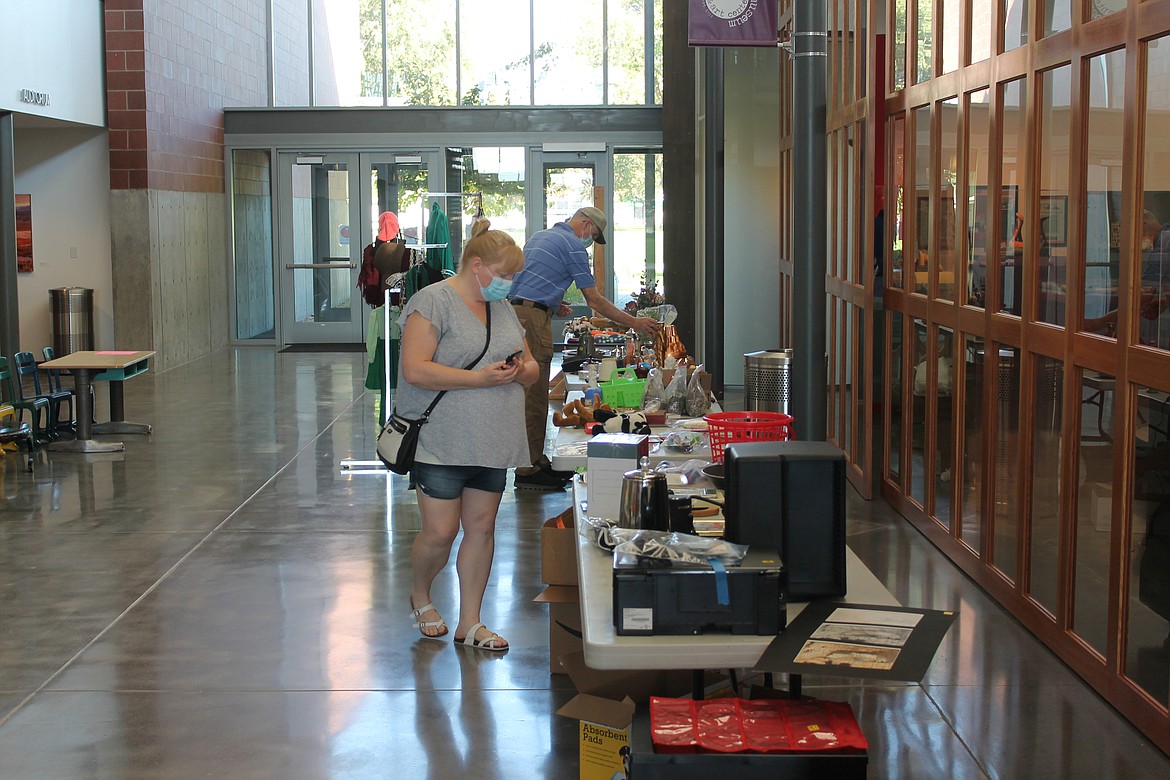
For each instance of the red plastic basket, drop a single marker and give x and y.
(725, 428)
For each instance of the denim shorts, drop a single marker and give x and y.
(448, 482)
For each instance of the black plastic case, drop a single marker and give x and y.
(651, 598)
(790, 496)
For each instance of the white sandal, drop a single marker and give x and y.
(494, 643)
(415, 614)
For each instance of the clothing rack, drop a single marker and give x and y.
(386, 323)
(426, 196)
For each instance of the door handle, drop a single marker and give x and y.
(334, 266)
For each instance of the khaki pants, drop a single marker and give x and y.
(538, 331)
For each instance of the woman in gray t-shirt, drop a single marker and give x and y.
(475, 433)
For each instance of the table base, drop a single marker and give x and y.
(86, 445)
(120, 426)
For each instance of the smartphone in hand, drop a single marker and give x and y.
(512, 358)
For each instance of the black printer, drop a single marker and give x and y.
(657, 597)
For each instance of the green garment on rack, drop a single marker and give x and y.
(438, 232)
(418, 277)
(376, 354)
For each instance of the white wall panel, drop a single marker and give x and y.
(66, 171)
(54, 48)
(751, 275)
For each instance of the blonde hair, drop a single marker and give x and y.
(495, 247)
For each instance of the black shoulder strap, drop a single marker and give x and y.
(426, 415)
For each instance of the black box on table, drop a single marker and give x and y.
(652, 597)
(790, 496)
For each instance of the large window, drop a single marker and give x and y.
(289, 41)
(252, 237)
(637, 221)
(463, 52)
(420, 52)
(495, 58)
(568, 58)
(497, 174)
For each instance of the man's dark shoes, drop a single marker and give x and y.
(544, 479)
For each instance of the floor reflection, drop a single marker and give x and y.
(222, 600)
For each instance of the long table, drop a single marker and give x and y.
(569, 445)
(87, 367)
(604, 649)
(569, 448)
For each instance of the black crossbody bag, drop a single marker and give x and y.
(398, 439)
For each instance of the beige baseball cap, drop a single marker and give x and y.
(597, 217)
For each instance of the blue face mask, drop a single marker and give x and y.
(587, 242)
(497, 289)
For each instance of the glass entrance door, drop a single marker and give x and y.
(319, 255)
(329, 207)
(397, 182)
(632, 178)
(570, 179)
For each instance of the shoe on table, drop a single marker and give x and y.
(543, 479)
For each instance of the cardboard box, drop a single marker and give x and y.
(558, 550)
(558, 387)
(610, 456)
(605, 705)
(637, 684)
(558, 569)
(564, 624)
(604, 735)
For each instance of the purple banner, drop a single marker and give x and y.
(733, 23)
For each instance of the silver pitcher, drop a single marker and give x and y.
(644, 502)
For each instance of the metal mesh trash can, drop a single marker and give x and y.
(766, 380)
(72, 312)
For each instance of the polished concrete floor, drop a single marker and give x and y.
(222, 600)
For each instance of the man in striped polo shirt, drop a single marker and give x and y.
(553, 260)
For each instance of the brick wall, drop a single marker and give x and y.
(171, 68)
(126, 87)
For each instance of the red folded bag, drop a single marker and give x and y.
(672, 725)
(753, 726)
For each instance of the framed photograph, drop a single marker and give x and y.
(24, 243)
(1054, 219)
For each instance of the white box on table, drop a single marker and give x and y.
(610, 456)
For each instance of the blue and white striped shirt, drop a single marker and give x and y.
(553, 259)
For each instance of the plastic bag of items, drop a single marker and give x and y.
(690, 471)
(596, 530)
(684, 548)
(677, 441)
(698, 403)
(676, 393)
(654, 396)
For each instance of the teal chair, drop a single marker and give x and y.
(54, 384)
(59, 401)
(13, 394)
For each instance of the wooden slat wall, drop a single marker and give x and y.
(1006, 500)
